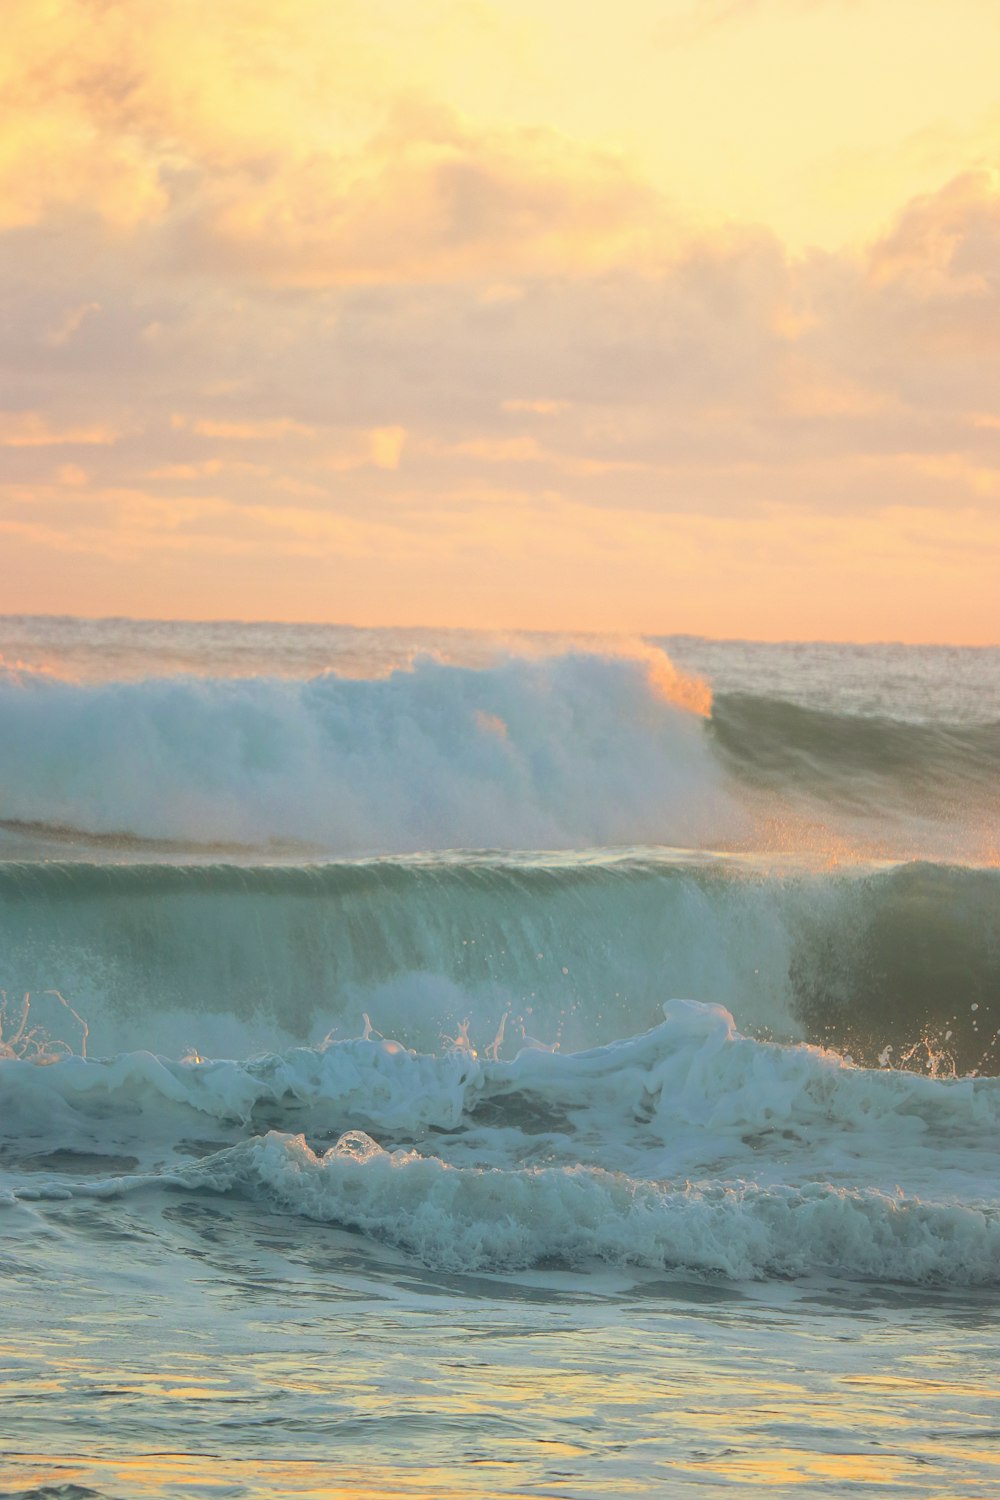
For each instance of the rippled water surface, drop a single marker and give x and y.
(227, 1350)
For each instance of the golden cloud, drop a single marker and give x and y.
(543, 407)
(267, 430)
(945, 243)
(109, 103)
(427, 200)
(31, 429)
(285, 144)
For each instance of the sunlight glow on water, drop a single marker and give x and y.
(336, 1372)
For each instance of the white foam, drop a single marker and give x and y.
(689, 1099)
(472, 1218)
(553, 751)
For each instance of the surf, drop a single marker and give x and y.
(893, 962)
(690, 1146)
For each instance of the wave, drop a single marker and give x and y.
(690, 1145)
(534, 753)
(558, 751)
(692, 1072)
(474, 1219)
(860, 764)
(900, 963)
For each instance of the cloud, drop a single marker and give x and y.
(287, 146)
(705, 17)
(68, 326)
(732, 375)
(427, 199)
(31, 429)
(720, 412)
(71, 474)
(109, 103)
(208, 468)
(543, 407)
(387, 446)
(945, 244)
(268, 430)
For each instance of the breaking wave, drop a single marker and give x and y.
(561, 751)
(540, 753)
(688, 1146)
(900, 963)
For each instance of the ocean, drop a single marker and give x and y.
(445, 1064)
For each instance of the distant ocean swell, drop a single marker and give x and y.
(857, 763)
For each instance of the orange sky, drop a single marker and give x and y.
(678, 316)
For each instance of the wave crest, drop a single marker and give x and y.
(551, 751)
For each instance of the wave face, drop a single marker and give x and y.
(900, 963)
(866, 772)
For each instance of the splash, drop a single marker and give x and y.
(28, 1036)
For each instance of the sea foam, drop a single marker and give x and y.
(472, 1218)
(534, 752)
(754, 1126)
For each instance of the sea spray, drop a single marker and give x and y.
(553, 751)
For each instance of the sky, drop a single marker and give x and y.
(656, 317)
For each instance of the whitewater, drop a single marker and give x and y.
(440, 1063)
